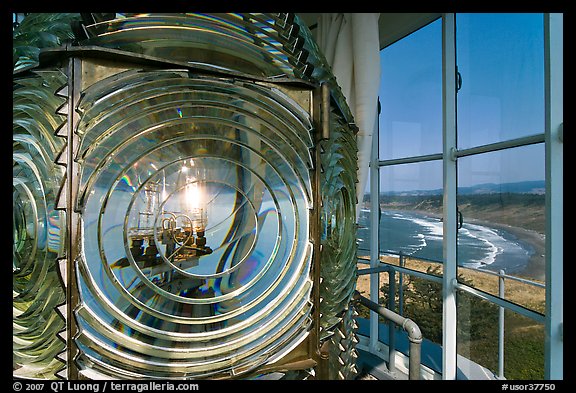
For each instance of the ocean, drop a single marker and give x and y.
(418, 235)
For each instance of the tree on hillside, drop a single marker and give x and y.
(477, 319)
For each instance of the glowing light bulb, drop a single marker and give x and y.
(193, 196)
(194, 204)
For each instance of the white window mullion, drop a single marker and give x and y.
(554, 101)
(449, 200)
(374, 234)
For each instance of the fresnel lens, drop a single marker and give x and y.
(184, 198)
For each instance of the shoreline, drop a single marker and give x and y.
(535, 268)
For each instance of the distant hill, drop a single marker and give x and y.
(523, 187)
(519, 204)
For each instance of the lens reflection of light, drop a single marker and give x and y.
(126, 180)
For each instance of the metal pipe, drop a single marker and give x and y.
(504, 275)
(391, 327)
(536, 316)
(401, 286)
(415, 273)
(409, 326)
(501, 293)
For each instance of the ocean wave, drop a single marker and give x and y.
(478, 245)
(434, 226)
(489, 238)
(422, 239)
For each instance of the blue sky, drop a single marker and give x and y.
(500, 58)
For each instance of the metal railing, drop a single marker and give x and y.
(409, 326)
(499, 300)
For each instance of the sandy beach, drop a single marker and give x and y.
(535, 269)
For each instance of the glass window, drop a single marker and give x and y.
(478, 340)
(364, 230)
(500, 58)
(501, 193)
(411, 212)
(411, 95)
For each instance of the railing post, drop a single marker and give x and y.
(391, 327)
(501, 294)
(401, 286)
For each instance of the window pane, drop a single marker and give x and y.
(501, 197)
(500, 58)
(411, 95)
(477, 341)
(411, 212)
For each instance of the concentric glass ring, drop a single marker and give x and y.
(38, 227)
(195, 196)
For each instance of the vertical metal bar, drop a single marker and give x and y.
(554, 117)
(391, 326)
(449, 197)
(401, 285)
(414, 360)
(374, 236)
(315, 230)
(325, 110)
(501, 294)
(74, 79)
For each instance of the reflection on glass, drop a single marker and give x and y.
(363, 250)
(421, 299)
(501, 197)
(364, 227)
(269, 45)
(501, 61)
(338, 220)
(411, 95)
(411, 236)
(39, 30)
